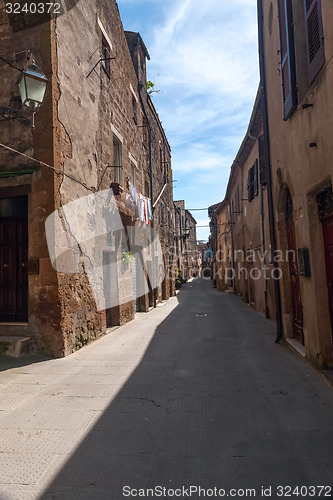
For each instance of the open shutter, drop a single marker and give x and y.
(262, 160)
(315, 37)
(249, 185)
(255, 179)
(287, 55)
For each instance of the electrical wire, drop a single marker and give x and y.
(47, 165)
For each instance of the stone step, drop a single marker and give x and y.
(14, 329)
(14, 346)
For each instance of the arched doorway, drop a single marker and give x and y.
(296, 300)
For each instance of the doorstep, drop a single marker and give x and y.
(296, 346)
(14, 346)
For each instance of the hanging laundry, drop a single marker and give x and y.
(150, 212)
(142, 216)
(134, 199)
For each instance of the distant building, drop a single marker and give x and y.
(186, 254)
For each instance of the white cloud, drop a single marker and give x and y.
(204, 58)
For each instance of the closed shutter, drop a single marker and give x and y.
(262, 161)
(287, 55)
(315, 37)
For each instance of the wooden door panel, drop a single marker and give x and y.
(13, 269)
(22, 269)
(8, 270)
(328, 242)
(296, 300)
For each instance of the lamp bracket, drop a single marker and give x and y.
(7, 114)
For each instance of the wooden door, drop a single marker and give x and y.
(296, 300)
(328, 242)
(14, 269)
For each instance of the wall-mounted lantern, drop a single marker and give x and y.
(186, 233)
(32, 85)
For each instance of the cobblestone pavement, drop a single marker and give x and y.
(195, 393)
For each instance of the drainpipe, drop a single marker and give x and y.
(262, 242)
(262, 67)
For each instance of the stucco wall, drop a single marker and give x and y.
(303, 169)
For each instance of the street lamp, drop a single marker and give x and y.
(186, 233)
(32, 85)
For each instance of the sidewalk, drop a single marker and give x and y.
(193, 393)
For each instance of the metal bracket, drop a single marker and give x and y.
(100, 60)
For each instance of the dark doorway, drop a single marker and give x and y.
(109, 282)
(328, 242)
(137, 285)
(296, 300)
(14, 259)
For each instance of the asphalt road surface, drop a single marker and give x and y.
(194, 394)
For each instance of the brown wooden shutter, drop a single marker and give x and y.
(315, 37)
(287, 55)
(262, 160)
(249, 185)
(255, 179)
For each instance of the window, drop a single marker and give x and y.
(105, 55)
(161, 159)
(287, 57)
(238, 201)
(162, 213)
(262, 161)
(146, 189)
(315, 37)
(145, 131)
(117, 160)
(252, 184)
(133, 173)
(135, 109)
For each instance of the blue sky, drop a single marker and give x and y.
(204, 59)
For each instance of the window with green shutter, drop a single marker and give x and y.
(287, 57)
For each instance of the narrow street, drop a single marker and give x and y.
(194, 393)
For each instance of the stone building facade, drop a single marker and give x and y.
(192, 253)
(186, 254)
(97, 129)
